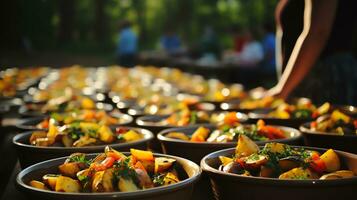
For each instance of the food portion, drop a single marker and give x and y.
(14, 79)
(281, 161)
(95, 116)
(336, 123)
(80, 134)
(111, 171)
(186, 117)
(266, 102)
(226, 133)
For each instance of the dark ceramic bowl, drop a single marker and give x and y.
(257, 114)
(25, 112)
(151, 122)
(29, 154)
(30, 123)
(178, 191)
(195, 151)
(328, 140)
(226, 186)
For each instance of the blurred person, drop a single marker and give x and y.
(250, 56)
(239, 39)
(314, 57)
(268, 43)
(210, 44)
(127, 45)
(170, 42)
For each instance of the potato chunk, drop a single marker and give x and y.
(50, 180)
(127, 185)
(105, 134)
(66, 184)
(298, 173)
(331, 160)
(69, 169)
(162, 164)
(38, 185)
(246, 146)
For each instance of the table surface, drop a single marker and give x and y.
(11, 191)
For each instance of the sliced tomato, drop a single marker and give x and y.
(272, 132)
(105, 164)
(318, 166)
(313, 124)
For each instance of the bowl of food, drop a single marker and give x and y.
(292, 115)
(36, 146)
(62, 104)
(247, 105)
(96, 116)
(157, 123)
(195, 142)
(278, 170)
(110, 175)
(336, 130)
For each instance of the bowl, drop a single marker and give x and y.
(257, 114)
(29, 154)
(177, 191)
(195, 151)
(150, 122)
(325, 140)
(30, 123)
(226, 186)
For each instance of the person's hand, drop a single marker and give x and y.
(276, 91)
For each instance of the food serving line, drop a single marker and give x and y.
(56, 113)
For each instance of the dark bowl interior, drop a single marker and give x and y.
(327, 140)
(30, 123)
(190, 173)
(195, 151)
(257, 114)
(225, 185)
(29, 154)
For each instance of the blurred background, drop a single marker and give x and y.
(194, 35)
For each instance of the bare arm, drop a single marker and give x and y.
(318, 19)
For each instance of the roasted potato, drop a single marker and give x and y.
(105, 134)
(132, 135)
(38, 185)
(127, 185)
(338, 174)
(70, 169)
(177, 135)
(245, 146)
(162, 164)
(200, 135)
(225, 160)
(170, 178)
(66, 184)
(331, 160)
(298, 173)
(50, 180)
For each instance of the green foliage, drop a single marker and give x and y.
(40, 20)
